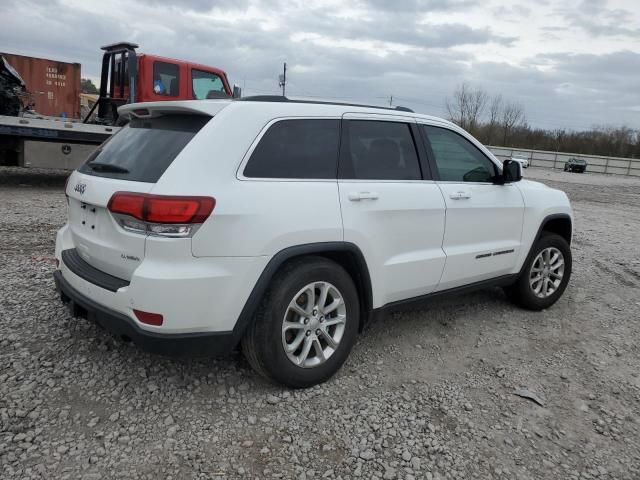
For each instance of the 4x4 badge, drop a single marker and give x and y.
(80, 188)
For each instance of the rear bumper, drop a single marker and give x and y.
(191, 344)
(194, 294)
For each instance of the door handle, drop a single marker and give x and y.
(460, 195)
(356, 197)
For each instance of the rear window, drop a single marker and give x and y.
(297, 149)
(166, 77)
(143, 149)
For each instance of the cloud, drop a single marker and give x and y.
(410, 32)
(416, 50)
(196, 5)
(596, 18)
(420, 5)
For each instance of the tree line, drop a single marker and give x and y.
(498, 121)
(87, 86)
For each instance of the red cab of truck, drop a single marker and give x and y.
(153, 79)
(161, 79)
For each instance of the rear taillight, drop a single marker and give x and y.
(131, 204)
(66, 183)
(164, 215)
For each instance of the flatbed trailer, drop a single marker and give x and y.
(126, 77)
(49, 142)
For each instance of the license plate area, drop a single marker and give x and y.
(88, 215)
(90, 221)
(101, 242)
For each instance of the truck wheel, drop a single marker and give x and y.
(306, 324)
(545, 274)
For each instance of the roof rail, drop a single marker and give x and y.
(283, 99)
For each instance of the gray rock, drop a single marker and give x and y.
(367, 455)
(272, 399)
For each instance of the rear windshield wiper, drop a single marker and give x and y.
(107, 167)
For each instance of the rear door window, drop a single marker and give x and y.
(305, 148)
(379, 150)
(166, 79)
(206, 85)
(143, 149)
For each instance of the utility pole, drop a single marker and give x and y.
(283, 79)
(391, 101)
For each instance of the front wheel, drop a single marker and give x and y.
(545, 275)
(306, 324)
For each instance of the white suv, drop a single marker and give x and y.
(282, 226)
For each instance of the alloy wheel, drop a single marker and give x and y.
(314, 324)
(546, 272)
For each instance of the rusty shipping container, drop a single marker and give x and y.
(54, 87)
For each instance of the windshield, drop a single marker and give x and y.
(143, 149)
(207, 85)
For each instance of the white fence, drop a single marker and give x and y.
(543, 159)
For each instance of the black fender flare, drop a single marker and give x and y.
(326, 249)
(545, 221)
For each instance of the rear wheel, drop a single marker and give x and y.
(306, 324)
(545, 275)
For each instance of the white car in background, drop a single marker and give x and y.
(521, 159)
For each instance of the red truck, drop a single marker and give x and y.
(128, 77)
(30, 140)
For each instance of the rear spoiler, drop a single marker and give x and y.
(156, 109)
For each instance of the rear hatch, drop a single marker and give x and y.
(132, 160)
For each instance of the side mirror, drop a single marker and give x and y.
(237, 92)
(511, 171)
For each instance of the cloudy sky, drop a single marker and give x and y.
(571, 63)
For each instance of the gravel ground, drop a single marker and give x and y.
(425, 394)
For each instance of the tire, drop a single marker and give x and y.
(523, 293)
(566, 168)
(264, 342)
